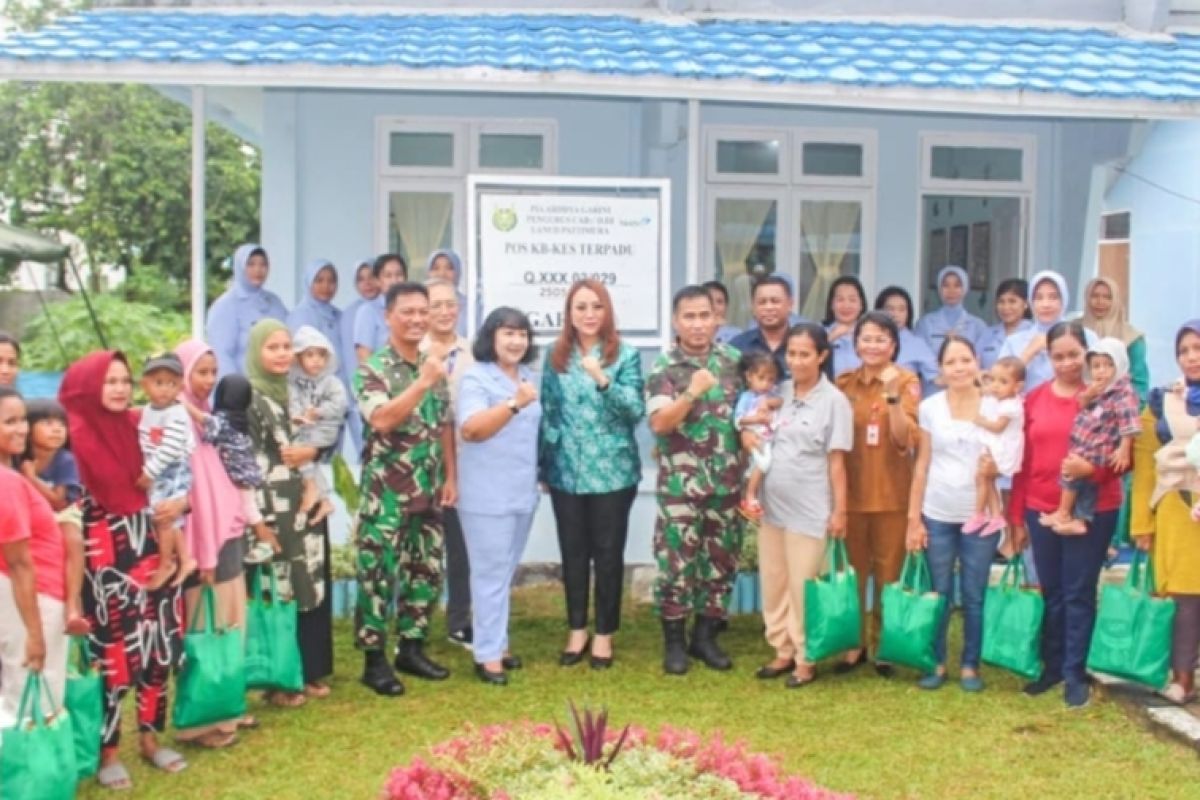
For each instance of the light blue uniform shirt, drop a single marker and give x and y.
(497, 476)
(934, 326)
(235, 312)
(370, 329)
(843, 355)
(916, 357)
(325, 317)
(992, 342)
(1039, 369)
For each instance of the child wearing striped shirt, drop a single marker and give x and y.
(166, 438)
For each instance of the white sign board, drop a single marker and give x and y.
(533, 244)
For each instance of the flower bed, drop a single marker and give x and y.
(526, 761)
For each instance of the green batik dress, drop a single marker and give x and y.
(587, 443)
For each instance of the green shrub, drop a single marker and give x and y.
(137, 329)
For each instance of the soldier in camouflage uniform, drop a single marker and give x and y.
(690, 395)
(407, 476)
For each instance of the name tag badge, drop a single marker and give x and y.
(873, 435)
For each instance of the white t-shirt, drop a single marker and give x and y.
(950, 488)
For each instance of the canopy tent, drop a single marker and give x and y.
(22, 245)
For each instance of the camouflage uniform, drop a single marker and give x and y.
(698, 533)
(399, 535)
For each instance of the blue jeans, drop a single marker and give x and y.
(1069, 567)
(495, 543)
(972, 554)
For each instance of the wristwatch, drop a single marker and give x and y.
(512, 406)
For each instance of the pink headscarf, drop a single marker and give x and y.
(216, 503)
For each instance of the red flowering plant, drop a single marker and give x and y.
(527, 761)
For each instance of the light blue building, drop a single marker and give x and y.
(885, 142)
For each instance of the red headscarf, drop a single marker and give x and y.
(104, 443)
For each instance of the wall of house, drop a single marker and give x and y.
(320, 184)
(1158, 188)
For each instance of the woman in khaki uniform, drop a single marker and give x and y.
(879, 468)
(1164, 495)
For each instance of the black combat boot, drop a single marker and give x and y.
(378, 676)
(704, 645)
(411, 658)
(675, 658)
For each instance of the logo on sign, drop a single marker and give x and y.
(504, 219)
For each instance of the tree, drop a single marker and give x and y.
(111, 164)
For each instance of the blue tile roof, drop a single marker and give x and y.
(1088, 63)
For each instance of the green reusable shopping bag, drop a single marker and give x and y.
(272, 650)
(84, 699)
(211, 686)
(911, 611)
(831, 608)
(37, 755)
(1012, 623)
(1132, 637)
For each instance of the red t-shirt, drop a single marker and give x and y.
(1048, 422)
(25, 514)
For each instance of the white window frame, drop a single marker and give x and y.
(780, 194)
(788, 189)
(713, 134)
(432, 185)
(865, 196)
(867, 139)
(386, 126)
(1026, 143)
(1101, 239)
(453, 179)
(547, 129)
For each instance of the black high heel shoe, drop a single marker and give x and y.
(569, 658)
(842, 667)
(493, 678)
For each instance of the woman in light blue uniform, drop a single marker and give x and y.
(317, 310)
(952, 283)
(235, 312)
(1012, 309)
(370, 327)
(368, 290)
(844, 304)
(1048, 298)
(498, 417)
(915, 355)
(445, 265)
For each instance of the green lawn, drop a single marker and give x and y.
(860, 734)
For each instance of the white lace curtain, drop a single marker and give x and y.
(828, 229)
(422, 220)
(739, 223)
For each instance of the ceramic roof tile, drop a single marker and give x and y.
(1080, 62)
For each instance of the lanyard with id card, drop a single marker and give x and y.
(873, 426)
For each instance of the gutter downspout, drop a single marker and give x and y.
(198, 209)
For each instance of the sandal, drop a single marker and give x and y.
(167, 760)
(287, 699)
(248, 723)
(114, 776)
(317, 690)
